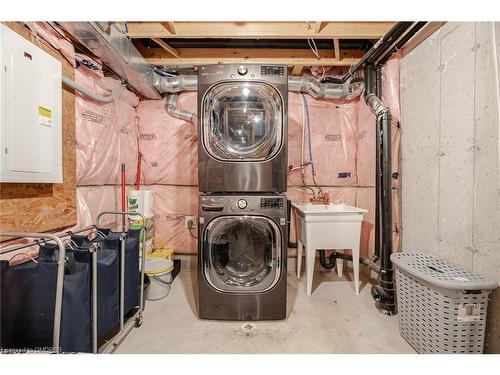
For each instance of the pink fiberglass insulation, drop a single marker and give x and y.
(126, 123)
(55, 39)
(333, 129)
(106, 134)
(390, 87)
(93, 200)
(365, 163)
(355, 132)
(367, 146)
(365, 198)
(343, 147)
(171, 205)
(168, 145)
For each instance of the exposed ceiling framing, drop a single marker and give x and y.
(162, 53)
(324, 30)
(290, 57)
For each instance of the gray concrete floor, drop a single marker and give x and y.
(332, 320)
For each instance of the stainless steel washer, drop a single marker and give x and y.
(242, 250)
(242, 143)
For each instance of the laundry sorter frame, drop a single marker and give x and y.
(126, 325)
(136, 319)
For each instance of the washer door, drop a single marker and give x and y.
(242, 254)
(242, 121)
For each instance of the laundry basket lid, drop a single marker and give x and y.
(441, 273)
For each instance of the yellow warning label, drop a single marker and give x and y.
(45, 112)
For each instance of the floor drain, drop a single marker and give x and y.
(247, 328)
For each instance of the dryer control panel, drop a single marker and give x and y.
(276, 74)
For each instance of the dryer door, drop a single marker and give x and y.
(242, 121)
(242, 254)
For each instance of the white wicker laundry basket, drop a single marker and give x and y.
(442, 307)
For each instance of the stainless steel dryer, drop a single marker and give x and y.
(242, 257)
(242, 143)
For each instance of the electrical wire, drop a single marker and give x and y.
(162, 72)
(313, 169)
(314, 49)
(305, 118)
(312, 45)
(191, 233)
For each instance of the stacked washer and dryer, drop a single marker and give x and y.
(242, 173)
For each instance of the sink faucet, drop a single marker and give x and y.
(323, 197)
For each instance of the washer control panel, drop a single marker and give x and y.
(219, 205)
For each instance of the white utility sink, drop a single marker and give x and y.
(327, 226)
(327, 209)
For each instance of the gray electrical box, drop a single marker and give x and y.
(30, 112)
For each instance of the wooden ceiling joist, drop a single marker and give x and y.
(336, 48)
(318, 26)
(166, 47)
(169, 26)
(281, 30)
(290, 57)
(297, 70)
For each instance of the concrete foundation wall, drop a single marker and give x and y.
(450, 152)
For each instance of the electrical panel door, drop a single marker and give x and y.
(30, 112)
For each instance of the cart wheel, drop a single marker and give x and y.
(138, 322)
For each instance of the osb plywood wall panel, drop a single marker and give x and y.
(450, 145)
(44, 207)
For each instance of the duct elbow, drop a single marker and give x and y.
(318, 90)
(175, 84)
(377, 105)
(176, 112)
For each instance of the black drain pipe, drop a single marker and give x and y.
(373, 75)
(401, 42)
(378, 182)
(384, 294)
(378, 49)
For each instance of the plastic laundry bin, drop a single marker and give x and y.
(159, 271)
(442, 307)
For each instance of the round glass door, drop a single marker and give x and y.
(242, 253)
(242, 121)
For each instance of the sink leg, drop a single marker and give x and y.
(355, 265)
(310, 256)
(340, 266)
(299, 257)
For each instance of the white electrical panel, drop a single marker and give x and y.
(30, 112)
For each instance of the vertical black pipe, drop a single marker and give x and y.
(369, 79)
(387, 303)
(378, 81)
(384, 293)
(378, 182)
